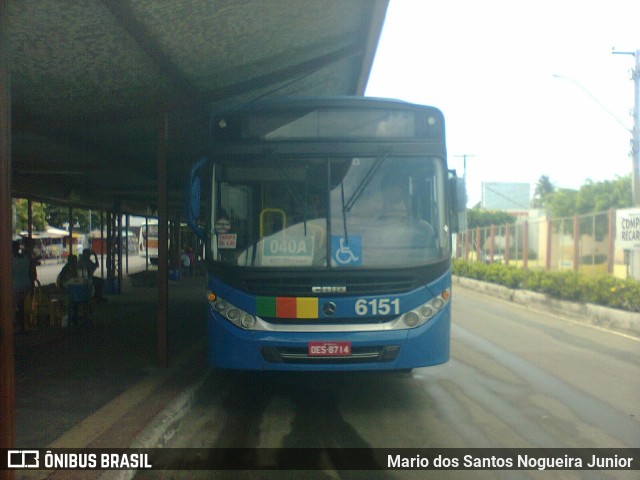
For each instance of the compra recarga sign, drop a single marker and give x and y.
(628, 229)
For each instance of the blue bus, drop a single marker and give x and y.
(327, 224)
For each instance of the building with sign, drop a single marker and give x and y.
(507, 197)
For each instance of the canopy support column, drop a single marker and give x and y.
(163, 241)
(109, 249)
(7, 371)
(127, 228)
(102, 244)
(29, 218)
(118, 225)
(70, 220)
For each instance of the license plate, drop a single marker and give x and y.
(329, 349)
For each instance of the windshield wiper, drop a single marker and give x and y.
(344, 214)
(357, 193)
(364, 183)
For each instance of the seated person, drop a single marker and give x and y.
(403, 236)
(71, 276)
(91, 266)
(394, 201)
(395, 204)
(68, 273)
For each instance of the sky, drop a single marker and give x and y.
(528, 88)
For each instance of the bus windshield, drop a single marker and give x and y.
(364, 212)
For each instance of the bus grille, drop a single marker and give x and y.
(299, 355)
(299, 283)
(328, 321)
(296, 287)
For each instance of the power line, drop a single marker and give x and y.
(464, 156)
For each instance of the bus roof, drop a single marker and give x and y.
(325, 118)
(336, 101)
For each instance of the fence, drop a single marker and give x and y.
(584, 243)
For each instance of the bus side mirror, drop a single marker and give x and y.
(458, 198)
(192, 199)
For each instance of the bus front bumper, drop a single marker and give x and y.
(233, 348)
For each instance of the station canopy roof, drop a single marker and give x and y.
(91, 81)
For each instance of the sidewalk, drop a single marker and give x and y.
(99, 385)
(611, 318)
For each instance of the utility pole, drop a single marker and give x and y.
(636, 132)
(634, 260)
(464, 157)
(635, 152)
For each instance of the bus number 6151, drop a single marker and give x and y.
(377, 306)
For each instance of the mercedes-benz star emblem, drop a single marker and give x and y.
(329, 308)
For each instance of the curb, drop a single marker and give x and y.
(171, 386)
(628, 322)
(157, 433)
(165, 424)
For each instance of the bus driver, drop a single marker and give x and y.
(408, 233)
(394, 190)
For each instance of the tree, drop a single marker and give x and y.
(562, 203)
(57, 216)
(544, 187)
(592, 197)
(37, 211)
(44, 214)
(600, 196)
(485, 218)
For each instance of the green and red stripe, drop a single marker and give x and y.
(287, 307)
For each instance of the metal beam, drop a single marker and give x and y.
(284, 75)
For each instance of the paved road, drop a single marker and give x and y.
(516, 379)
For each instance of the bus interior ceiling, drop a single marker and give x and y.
(100, 101)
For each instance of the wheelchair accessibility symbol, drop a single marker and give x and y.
(346, 252)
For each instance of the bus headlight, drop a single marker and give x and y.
(220, 306)
(422, 314)
(437, 303)
(247, 321)
(411, 319)
(235, 315)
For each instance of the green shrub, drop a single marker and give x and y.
(566, 285)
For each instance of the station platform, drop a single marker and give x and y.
(99, 385)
